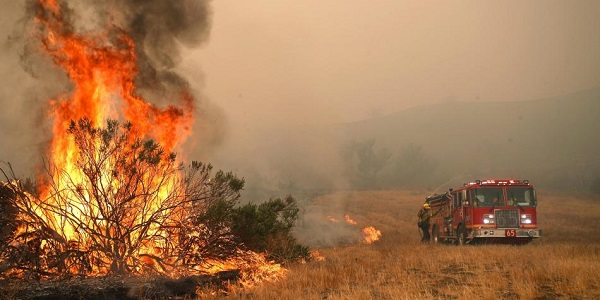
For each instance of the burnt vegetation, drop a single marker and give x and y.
(129, 207)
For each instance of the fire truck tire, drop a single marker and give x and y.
(435, 234)
(461, 235)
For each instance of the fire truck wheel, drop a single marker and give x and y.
(435, 234)
(461, 235)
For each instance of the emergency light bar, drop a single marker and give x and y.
(504, 182)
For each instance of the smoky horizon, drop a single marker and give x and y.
(291, 95)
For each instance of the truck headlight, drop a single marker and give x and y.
(488, 219)
(525, 219)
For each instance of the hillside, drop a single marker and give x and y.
(553, 141)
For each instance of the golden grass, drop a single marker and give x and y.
(563, 264)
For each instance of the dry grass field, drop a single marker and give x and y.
(563, 264)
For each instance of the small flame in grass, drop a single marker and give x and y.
(371, 234)
(316, 255)
(259, 270)
(332, 219)
(349, 220)
(254, 269)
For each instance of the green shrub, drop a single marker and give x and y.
(267, 227)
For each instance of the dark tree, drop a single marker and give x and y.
(364, 163)
(412, 167)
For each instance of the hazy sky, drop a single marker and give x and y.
(341, 60)
(280, 69)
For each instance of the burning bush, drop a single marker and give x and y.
(8, 212)
(116, 200)
(127, 207)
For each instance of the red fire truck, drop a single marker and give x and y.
(494, 211)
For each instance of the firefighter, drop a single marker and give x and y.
(424, 215)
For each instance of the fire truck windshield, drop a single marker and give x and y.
(520, 196)
(488, 197)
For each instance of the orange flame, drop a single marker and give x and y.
(102, 68)
(332, 219)
(371, 234)
(316, 255)
(254, 268)
(349, 220)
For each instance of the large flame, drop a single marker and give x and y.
(102, 68)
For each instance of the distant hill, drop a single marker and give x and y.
(555, 141)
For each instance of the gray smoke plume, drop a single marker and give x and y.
(160, 30)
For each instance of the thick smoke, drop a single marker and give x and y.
(160, 30)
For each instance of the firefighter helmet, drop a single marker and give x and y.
(426, 205)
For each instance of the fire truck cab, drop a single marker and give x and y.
(490, 211)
